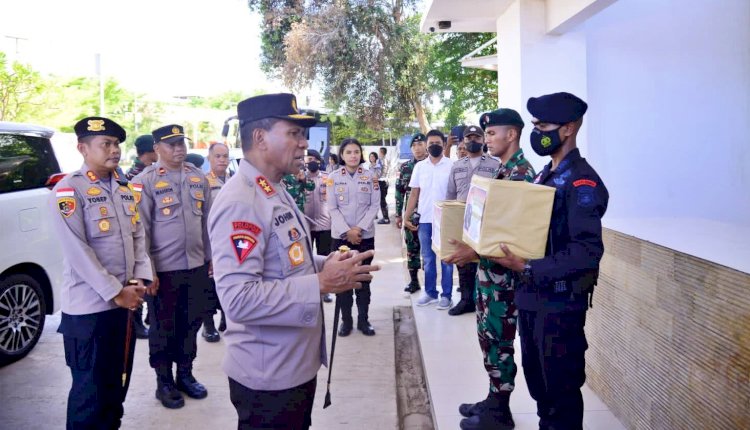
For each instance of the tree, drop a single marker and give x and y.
(368, 56)
(21, 89)
(459, 88)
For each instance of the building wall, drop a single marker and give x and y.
(668, 85)
(669, 338)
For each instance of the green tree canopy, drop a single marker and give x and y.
(21, 90)
(461, 89)
(367, 56)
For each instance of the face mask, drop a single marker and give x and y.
(435, 150)
(474, 146)
(313, 166)
(545, 142)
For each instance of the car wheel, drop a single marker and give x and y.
(22, 314)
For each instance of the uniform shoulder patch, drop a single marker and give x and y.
(246, 225)
(243, 245)
(586, 196)
(66, 203)
(587, 182)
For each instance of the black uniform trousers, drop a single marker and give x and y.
(95, 353)
(322, 242)
(553, 345)
(383, 193)
(345, 299)
(289, 409)
(178, 311)
(467, 275)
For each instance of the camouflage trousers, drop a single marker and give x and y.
(496, 327)
(412, 249)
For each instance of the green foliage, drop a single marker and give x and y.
(21, 90)
(460, 89)
(367, 57)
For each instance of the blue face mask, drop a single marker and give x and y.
(545, 142)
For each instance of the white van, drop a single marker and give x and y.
(30, 255)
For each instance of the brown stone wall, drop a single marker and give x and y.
(669, 338)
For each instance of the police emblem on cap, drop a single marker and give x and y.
(96, 125)
(175, 130)
(294, 104)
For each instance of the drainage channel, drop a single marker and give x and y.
(413, 398)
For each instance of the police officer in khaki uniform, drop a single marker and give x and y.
(476, 163)
(218, 159)
(268, 278)
(316, 207)
(97, 223)
(174, 203)
(355, 203)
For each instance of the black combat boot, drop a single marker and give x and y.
(346, 322)
(166, 391)
(413, 286)
(223, 322)
(140, 330)
(462, 307)
(493, 414)
(209, 330)
(363, 324)
(187, 383)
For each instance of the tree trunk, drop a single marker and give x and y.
(424, 125)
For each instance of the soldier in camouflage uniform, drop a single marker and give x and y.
(402, 194)
(296, 187)
(496, 312)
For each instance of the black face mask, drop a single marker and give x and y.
(545, 142)
(474, 146)
(435, 150)
(313, 166)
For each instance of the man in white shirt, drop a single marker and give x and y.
(429, 184)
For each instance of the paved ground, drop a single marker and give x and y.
(33, 391)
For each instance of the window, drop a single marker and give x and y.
(26, 162)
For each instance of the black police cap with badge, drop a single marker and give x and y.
(279, 106)
(473, 130)
(502, 116)
(172, 133)
(557, 108)
(99, 126)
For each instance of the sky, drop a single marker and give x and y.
(162, 48)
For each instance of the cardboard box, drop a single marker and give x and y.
(447, 221)
(511, 212)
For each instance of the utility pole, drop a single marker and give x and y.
(101, 83)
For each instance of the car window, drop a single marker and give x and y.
(26, 162)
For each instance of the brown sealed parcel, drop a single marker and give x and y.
(447, 222)
(515, 213)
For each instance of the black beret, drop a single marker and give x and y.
(501, 116)
(419, 137)
(473, 129)
(99, 126)
(169, 133)
(144, 144)
(315, 154)
(281, 106)
(458, 131)
(196, 159)
(557, 108)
